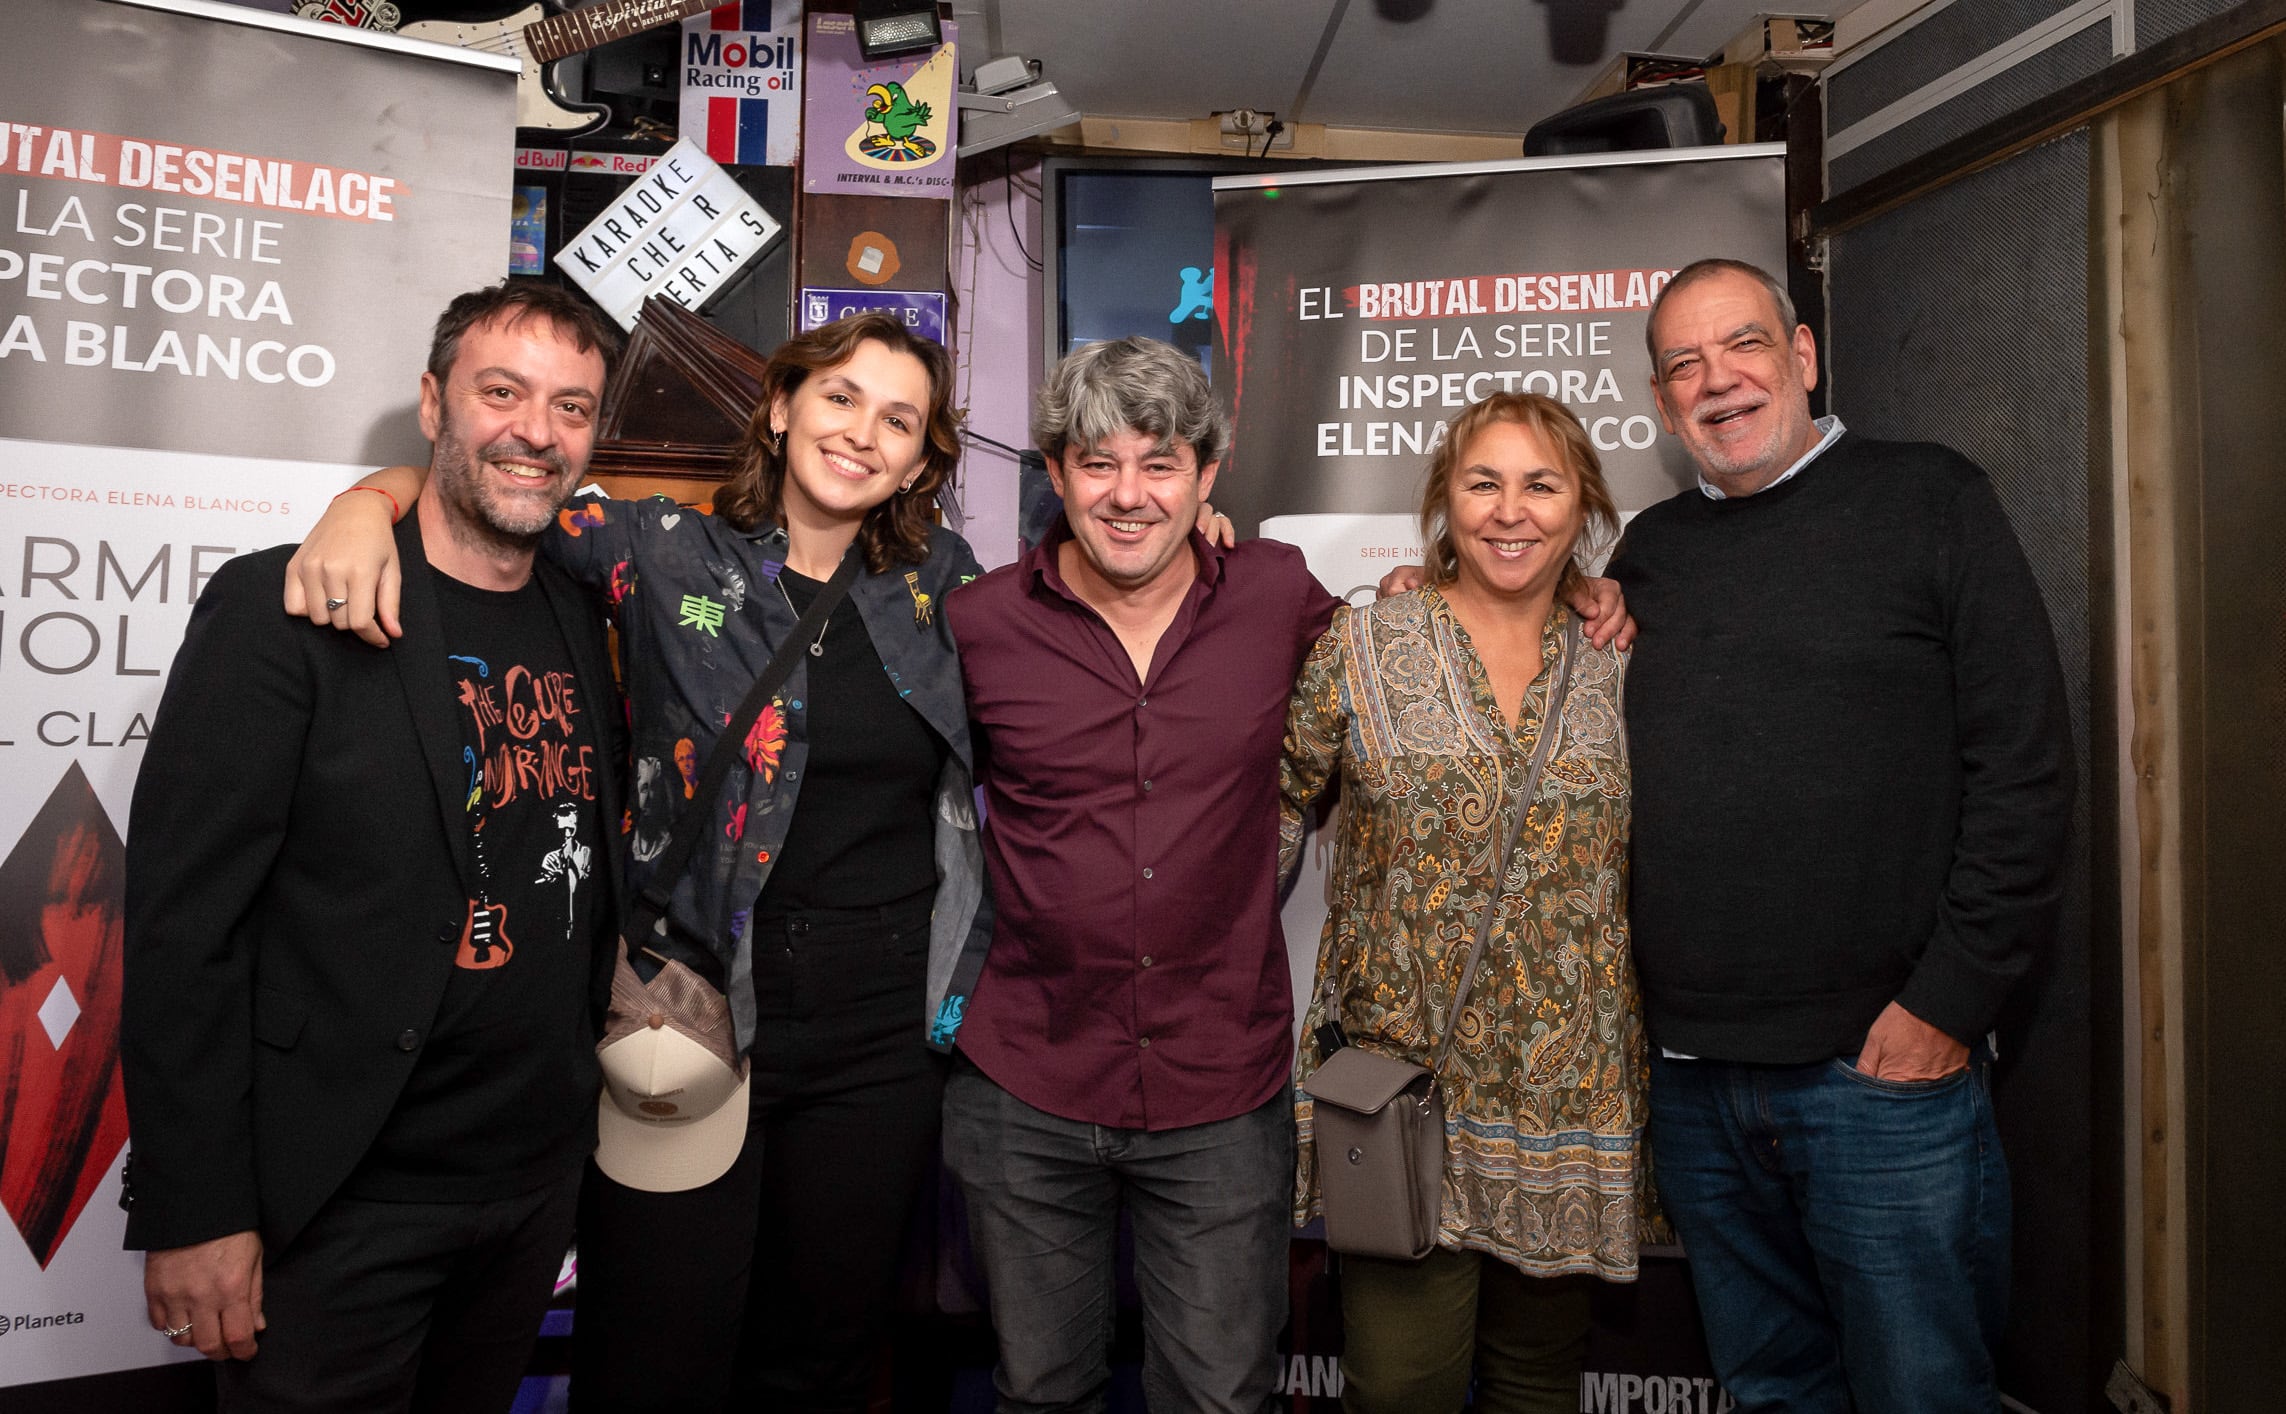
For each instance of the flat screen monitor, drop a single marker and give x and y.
(1130, 250)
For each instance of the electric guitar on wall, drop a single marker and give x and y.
(537, 39)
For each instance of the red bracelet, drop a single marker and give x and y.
(396, 512)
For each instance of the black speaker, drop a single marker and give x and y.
(1672, 115)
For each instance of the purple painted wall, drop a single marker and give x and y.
(996, 323)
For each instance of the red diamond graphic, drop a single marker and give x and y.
(63, 1115)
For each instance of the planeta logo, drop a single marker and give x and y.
(26, 1322)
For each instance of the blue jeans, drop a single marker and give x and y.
(1848, 1236)
(1210, 1205)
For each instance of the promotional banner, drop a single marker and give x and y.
(884, 129)
(227, 234)
(1357, 312)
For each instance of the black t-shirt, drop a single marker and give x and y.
(502, 1098)
(864, 827)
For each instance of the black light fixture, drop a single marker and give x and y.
(1639, 120)
(1579, 29)
(888, 28)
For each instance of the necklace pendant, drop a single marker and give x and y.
(817, 649)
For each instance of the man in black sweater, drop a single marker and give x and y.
(1852, 787)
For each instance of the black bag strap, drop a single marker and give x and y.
(1551, 726)
(650, 914)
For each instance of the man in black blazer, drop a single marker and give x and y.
(371, 914)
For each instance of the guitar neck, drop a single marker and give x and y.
(569, 33)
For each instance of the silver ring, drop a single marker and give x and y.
(333, 604)
(181, 1330)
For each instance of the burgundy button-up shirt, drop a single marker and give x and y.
(1137, 976)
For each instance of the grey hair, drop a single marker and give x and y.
(1699, 270)
(1135, 384)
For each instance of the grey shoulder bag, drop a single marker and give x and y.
(1379, 1123)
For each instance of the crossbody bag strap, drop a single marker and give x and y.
(1551, 727)
(650, 917)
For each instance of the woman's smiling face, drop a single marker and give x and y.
(854, 434)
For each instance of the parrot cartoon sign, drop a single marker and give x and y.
(894, 118)
(900, 120)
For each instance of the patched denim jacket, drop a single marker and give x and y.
(691, 597)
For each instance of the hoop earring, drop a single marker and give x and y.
(908, 486)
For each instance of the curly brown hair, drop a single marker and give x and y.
(896, 531)
(1560, 432)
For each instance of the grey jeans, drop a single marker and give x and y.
(1210, 1205)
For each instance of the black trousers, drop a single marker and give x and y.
(771, 1288)
(381, 1306)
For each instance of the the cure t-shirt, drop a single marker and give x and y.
(502, 1099)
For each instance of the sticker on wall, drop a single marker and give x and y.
(528, 231)
(873, 258)
(613, 164)
(910, 238)
(885, 129)
(357, 14)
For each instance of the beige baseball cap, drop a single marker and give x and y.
(673, 1111)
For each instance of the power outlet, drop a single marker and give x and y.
(1243, 130)
(2129, 1395)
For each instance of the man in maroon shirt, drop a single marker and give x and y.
(1130, 1040)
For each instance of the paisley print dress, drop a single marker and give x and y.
(1544, 1085)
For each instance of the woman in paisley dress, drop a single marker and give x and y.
(1429, 706)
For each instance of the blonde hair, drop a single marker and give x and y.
(1560, 432)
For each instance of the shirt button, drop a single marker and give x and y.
(1146, 873)
(1146, 959)
(1145, 1042)
(1146, 787)
(448, 932)
(1142, 701)
(408, 1040)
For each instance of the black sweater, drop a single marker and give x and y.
(1851, 756)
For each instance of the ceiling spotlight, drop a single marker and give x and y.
(1579, 29)
(888, 28)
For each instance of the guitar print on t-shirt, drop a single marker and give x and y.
(531, 790)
